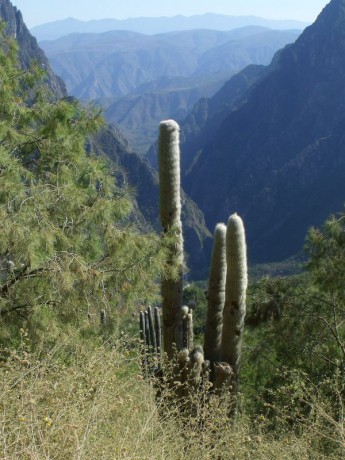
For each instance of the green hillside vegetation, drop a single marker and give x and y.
(74, 270)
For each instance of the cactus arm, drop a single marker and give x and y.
(153, 341)
(143, 344)
(190, 331)
(147, 331)
(196, 365)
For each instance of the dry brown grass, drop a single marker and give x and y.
(97, 406)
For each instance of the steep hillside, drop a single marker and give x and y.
(136, 172)
(139, 112)
(277, 154)
(29, 51)
(208, 113)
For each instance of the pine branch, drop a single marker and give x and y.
(19, 277)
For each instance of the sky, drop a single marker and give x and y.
(37, 12)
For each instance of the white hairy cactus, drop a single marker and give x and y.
(235, 293)
(170, 215)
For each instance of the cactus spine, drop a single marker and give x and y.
(170, 216)
(216, 296)
(235, 295)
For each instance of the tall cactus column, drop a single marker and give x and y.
(170, 216)
(235, 296)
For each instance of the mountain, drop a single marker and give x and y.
(275, 153)
(139, 113)
(199, 125)
(57, 29)
(29, 51)
(142, 79)
(115, 63)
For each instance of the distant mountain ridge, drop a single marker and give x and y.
(142, 79)
(272, 142)
(113, 64)
(57, 29)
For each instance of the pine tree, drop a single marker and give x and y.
(65, 244)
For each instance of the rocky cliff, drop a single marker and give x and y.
(29, 51)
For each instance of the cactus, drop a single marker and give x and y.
(190, 330)
(196, 361)
(187, 328)
(152, 330)
(235, 295)
(158, 332)
(184, 320)
(170, 215)
(150, 335)
(216, 296)
(143, 344)
(226, 295)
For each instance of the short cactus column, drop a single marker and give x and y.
(170, 216)
(216, 297)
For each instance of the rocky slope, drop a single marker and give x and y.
(29, 51)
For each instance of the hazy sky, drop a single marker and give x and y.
(40, 11)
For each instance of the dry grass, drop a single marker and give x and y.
(94, 405)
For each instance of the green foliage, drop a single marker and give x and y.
(326, 249)
(296, 325)
(65, 244)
